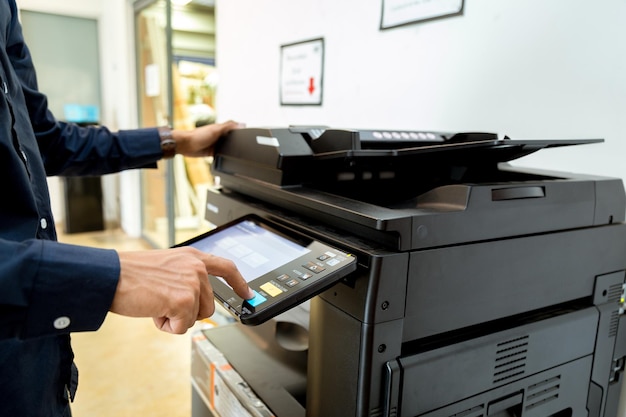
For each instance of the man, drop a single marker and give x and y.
(49, 289)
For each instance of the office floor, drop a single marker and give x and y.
(129, 368)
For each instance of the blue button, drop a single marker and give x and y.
(258, 299)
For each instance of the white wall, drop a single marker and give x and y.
(115, 25)
(119, 97)
(525, 68)
(78, 8)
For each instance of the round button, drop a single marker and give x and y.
(44, 223)
(61, 322)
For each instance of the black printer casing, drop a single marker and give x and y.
(497, 291)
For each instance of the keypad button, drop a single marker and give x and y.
(283, 278)
(311, 266)
(258, 299)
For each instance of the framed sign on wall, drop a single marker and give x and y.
(403, 12)
(302, 73)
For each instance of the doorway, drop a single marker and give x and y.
(177, 81)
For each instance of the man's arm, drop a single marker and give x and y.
(51, 288)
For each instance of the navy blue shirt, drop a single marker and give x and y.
(47, 289)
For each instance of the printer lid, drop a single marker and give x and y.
(319, 155)
(408, 193)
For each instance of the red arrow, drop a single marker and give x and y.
(311, 85)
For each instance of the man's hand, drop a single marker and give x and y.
(200, 141)
(172, 286)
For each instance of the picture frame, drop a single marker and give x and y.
(302, 72)
(397, 13)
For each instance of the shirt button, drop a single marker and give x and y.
(61, 322)
(44, 223)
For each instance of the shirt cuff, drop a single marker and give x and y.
(73, 290)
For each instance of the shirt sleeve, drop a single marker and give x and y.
(49, 288)
(66, 148)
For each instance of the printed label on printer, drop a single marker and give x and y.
(267, 141)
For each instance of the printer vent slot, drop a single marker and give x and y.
(543, 392)
(378, 412)
(510, 359)
(478, 411)
(615, 293)
(614, 323)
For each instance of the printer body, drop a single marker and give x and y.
(483, 289)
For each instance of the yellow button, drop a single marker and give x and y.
(271, 289)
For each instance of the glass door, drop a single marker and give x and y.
(152, 54)
(177, 79)
(193, 86)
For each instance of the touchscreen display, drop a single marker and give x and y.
(254, 249)
(283, 267)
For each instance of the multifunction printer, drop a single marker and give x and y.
(482, 289)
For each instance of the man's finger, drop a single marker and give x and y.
(207, 304)
(227, 269)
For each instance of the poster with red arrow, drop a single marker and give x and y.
(302, 72)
